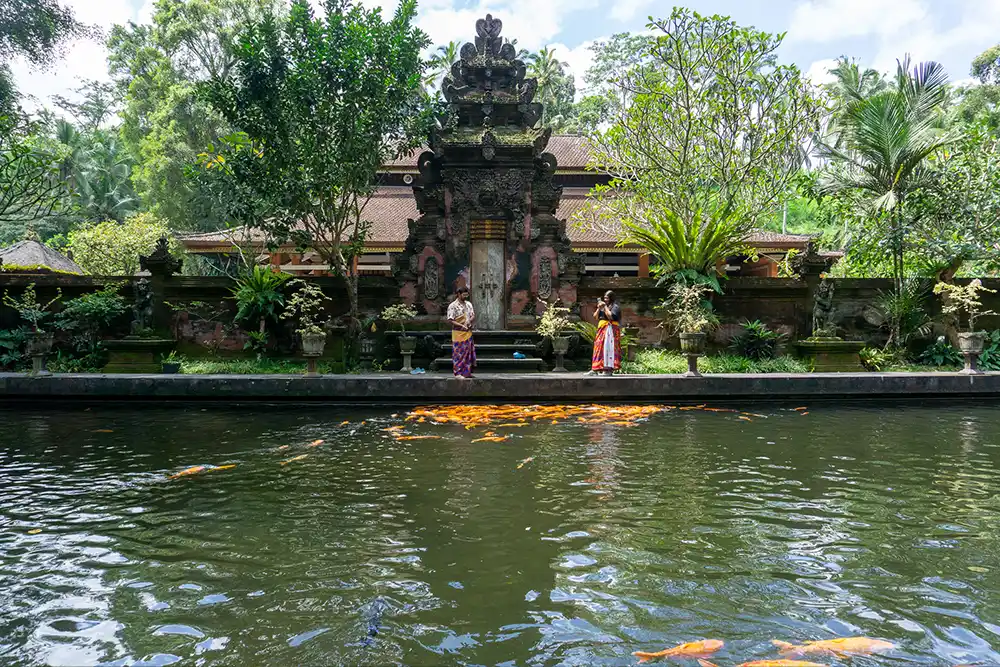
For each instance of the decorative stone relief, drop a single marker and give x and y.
(432, 279)
(545, 278)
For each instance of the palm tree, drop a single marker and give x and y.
(440, 63)
(885, 134)
(548, 71)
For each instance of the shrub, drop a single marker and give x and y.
(989, 360)
(940, 353)
(875, 359)
(686, 310)
(554, 321)
(756, 341)
(112, 248)
(85, 317)
(259, 298)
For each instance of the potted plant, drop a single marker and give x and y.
(171, 363)
(553, 323)
(687, 312)
(307, 306)
(967, 299)
(38, 342)
(401, 313)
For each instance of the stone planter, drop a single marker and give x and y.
(831, 355)
(312, 348)
(971, 344)
(560, 346)
(693, 346)
(137, 355)
(38, 346)
(407, 346)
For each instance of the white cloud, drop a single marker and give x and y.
(578, 60)
(832, 20)
(819, 72)
(626, 10)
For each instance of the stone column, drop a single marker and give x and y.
(161, 266)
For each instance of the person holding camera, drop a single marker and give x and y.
(607, 356)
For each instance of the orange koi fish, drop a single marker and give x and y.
(492, 438)
(804, 413)
(316, 443)
(746, 419)
(525, 461)
(769, 663)
(689, 650)
(283, 447)
(345, 423)
(800, 409)
(841, 646)
(226, 467)
(393, 428)
(193, 470)
(103, 430)
(418, 437)
(294, 458)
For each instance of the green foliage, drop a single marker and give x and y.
(756, 341)
(307, 305)
(30, 187)
(883, 137)
(31, 310)
(554, 321)
(876, 359)
(667, 362)
(964, 300)
(259, 366)
(686, 309)
(86, 317)
(259, 298)
(556, 89)
(327, 101)
(989, 360)
(165, 124)
(698, 164)
(399, 313)
(113, 249)
(12, 343)
(905, 312)
(940, 353)
(586, 330)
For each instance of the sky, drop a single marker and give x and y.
(876, 32)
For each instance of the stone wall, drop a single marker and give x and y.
(204, 308)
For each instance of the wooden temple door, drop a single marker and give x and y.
(486, 273)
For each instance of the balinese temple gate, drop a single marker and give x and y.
(487, 198)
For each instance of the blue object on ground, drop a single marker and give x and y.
(518, 355)
(417, 371)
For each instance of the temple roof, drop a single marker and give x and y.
(391, 206)
(33, 253)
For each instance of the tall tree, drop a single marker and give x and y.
(325, 102)
(165, 125)
(440, 63)
(883, 144)
(30, 187)
(556, 88)
(707, 144)
(34, 30)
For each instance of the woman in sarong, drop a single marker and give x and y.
(607, 357)
(461, 316)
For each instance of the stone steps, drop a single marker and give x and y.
(495, 364)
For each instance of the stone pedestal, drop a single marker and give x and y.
(136, 355)
(831, 355)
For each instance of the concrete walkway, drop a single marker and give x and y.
(535, 387)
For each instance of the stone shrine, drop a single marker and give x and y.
(487, 198)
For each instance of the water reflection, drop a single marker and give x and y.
(878, 522)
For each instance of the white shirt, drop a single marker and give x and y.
(456, 309)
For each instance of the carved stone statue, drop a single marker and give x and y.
(823, 325)
(160, 263)
(142, 307)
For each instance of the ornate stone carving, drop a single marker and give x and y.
(432, 279)
(823, 324)
(545, 278)
(142, 307)
(160, 263)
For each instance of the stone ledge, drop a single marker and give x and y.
(536, 387)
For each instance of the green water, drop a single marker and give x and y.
(883, 522)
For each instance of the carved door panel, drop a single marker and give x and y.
(486, 271)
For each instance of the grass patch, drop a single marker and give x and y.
(668, 362)
(246, 367)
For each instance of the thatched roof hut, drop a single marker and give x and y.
(34, 257)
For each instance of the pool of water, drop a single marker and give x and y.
(566, 543)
